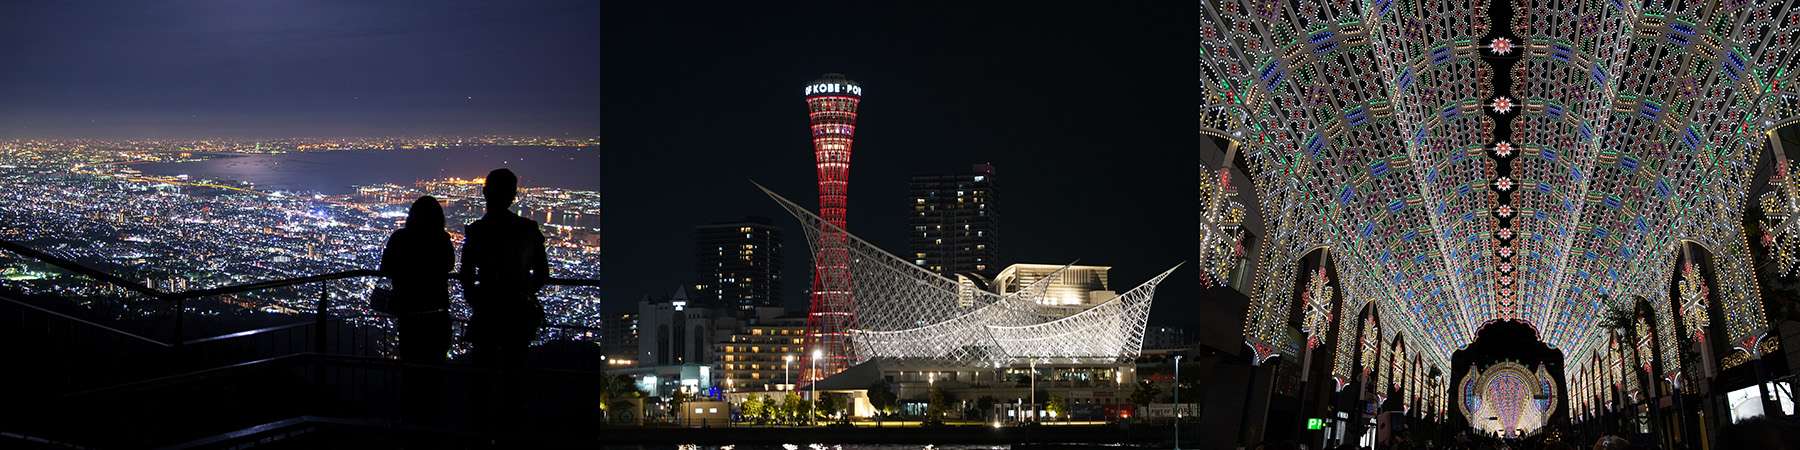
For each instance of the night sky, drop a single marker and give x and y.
(1089, 115)
(291, 68)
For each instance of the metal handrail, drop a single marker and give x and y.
(87, 322)
(180, 298)
(147, 291)
(80, 268)
(270, 284)
(239, 334)
(356, 273)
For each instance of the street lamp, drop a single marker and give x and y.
(815, 388)
(1177, 402)
(1034, 407)
(785, 360)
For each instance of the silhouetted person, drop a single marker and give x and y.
(1610, 442)
(503, 267)
(418, 257)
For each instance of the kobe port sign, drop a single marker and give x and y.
(834, 88)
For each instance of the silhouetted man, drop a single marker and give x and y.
(503, 266)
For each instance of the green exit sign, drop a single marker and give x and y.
(1315, 424)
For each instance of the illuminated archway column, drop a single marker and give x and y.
(1740, 299)
(1320, 305)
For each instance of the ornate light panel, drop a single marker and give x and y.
(1465, 169)
(1518, 400)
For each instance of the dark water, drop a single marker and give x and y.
(335, 172)
(805, 446)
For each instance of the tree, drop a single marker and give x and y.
(985, 405)
(1145, 393)
(751, 409)
(1058, 406)
(1617, 317)
(835, 406)
(935, 404)
(791, 406)
(676, 400)
(882, 397)
(770, 410)
(616, 395)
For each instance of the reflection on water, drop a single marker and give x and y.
(813, 447)
(335, 172)
(1064, 445)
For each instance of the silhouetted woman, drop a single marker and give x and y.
(418, 259)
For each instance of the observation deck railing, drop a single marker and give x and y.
(178, 301)
(132, 370)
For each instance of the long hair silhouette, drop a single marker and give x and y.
(426, 214)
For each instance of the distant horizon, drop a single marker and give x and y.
(4, 138)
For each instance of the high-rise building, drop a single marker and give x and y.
(671, 332)
(1166, 338)
(955, 230)
(831, 104)
(619, 339)
(738, 264)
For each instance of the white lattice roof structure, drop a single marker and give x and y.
(904, 312)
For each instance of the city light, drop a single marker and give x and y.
(178, 234)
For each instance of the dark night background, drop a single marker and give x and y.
(1087, 112)
(274, 69)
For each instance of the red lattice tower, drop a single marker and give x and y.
(831, 106)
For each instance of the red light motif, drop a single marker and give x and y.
(831, 104)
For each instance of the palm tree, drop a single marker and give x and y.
(677, 399)
(617, 393)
